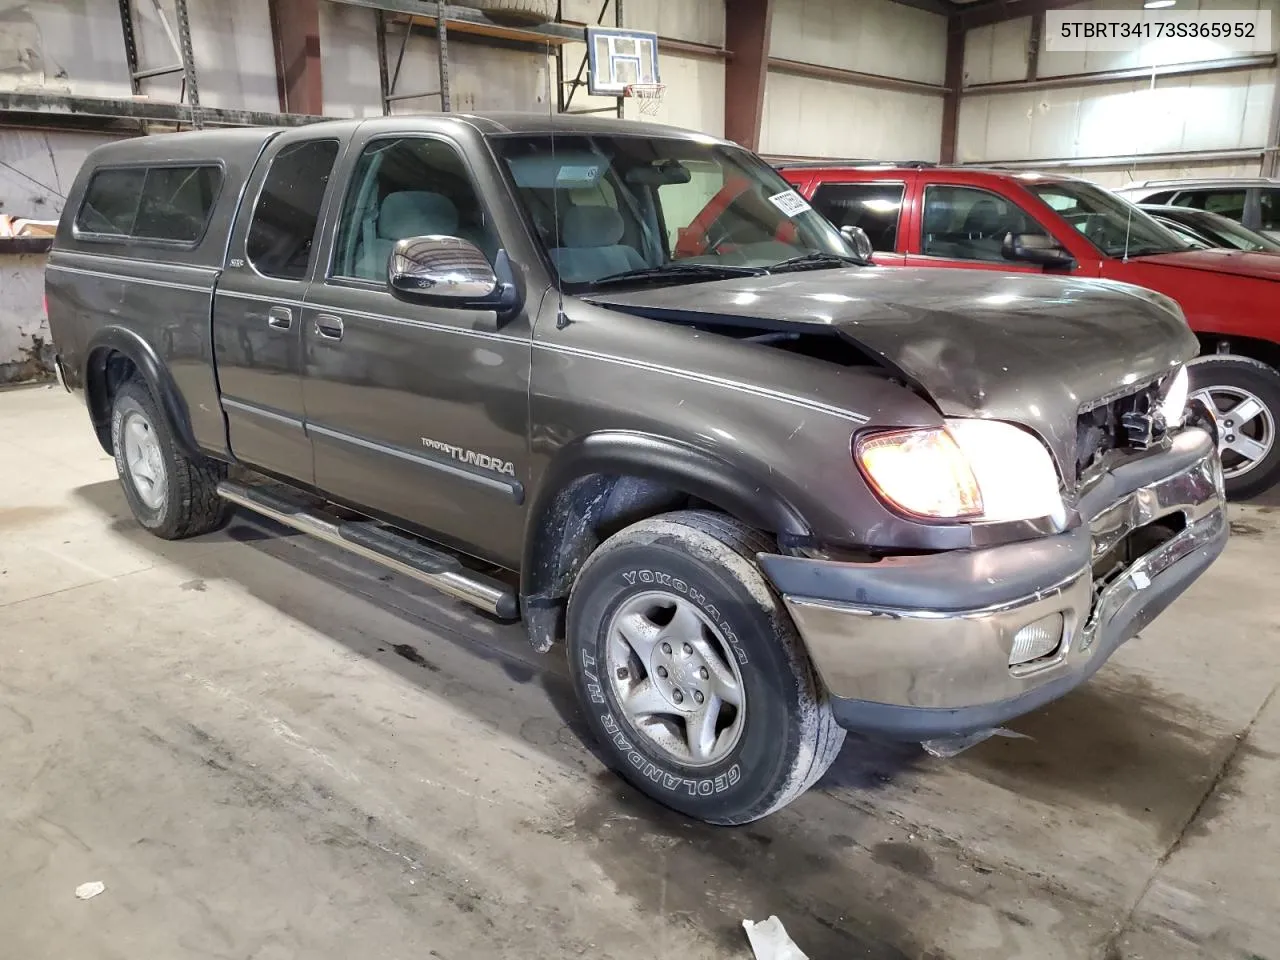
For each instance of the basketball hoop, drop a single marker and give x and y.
(648, 95)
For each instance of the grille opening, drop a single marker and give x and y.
(1111, 566)
(1100, 430)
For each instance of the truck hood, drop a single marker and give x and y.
(1025, 348)
(1237, 263)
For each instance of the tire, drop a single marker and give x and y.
(181, 500)
(698, 569)
(1225, 382)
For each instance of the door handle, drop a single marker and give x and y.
(280, 318)
(329, 327)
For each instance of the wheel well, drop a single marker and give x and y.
(1263, 351)
(581, 517)
(107, 370)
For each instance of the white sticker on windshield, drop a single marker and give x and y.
(578, 175)
(790, 203)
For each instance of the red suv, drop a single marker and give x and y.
(924, 216)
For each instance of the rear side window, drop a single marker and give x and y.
(875, 207)
(158, 204)
(1228, 203)
(283, 230)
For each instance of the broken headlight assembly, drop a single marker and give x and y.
(967, 470)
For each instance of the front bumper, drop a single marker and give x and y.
(920, 647)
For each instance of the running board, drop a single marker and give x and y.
(395, 551)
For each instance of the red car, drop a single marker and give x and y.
(925, 216)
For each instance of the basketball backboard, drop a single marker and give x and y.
(619, 59)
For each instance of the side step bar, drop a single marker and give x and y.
(405, 555)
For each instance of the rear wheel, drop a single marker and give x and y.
(691, 674)
(172, 495)
(1244, 397)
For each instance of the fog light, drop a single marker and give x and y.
(1036, 640)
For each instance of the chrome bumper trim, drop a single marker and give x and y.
(960, 658)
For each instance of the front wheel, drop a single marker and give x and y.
(1244, 397)
(691, 674)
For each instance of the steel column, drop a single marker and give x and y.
(442, 42)
(384, 82)
(954, 81)
(130, 44)
(188, 62)
(295, 29)
(748, 25)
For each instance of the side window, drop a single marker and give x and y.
(282, 232)
(1160, 198)
(111, 202)
(176, 203)
(1229, 203)
(964, 223)
(407, 187)
(169, 204)
(1269, 202)
(875, 207)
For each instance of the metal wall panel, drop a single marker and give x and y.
(819, 118)
(997, 53)
(349, 55)
(1209, 112)
(869, 36)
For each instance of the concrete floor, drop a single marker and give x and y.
(267, 750)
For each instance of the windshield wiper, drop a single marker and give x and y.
(675, 271)
(819, 259)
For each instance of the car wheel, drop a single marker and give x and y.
(1244, 397)
(691, 673)
(170, 494)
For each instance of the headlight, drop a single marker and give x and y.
(969, 470)
(1174, 405)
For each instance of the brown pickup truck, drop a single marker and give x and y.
(761, 490)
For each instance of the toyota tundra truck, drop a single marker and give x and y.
(760, 490)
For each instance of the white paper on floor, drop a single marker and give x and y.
(769, 941)
(87, 891)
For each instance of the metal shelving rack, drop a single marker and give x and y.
(181, 43)
(130, 114)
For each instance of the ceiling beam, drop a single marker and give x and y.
(943, 8)
(997, 11)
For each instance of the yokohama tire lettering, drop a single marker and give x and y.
(657, 578)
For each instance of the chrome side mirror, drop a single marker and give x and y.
(1035, 248)
(449, 271)
(858, 241)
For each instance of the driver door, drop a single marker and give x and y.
(418, 414)
(961, 226)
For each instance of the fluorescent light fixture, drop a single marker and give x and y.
(1158, 4)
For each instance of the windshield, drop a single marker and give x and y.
(1113, 225)
(608, 206)
(1232, 234)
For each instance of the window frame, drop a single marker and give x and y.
(332, 279)
(1260, 192)
(130, 239)
(320, 215)
(924, 206)
(902, 228)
